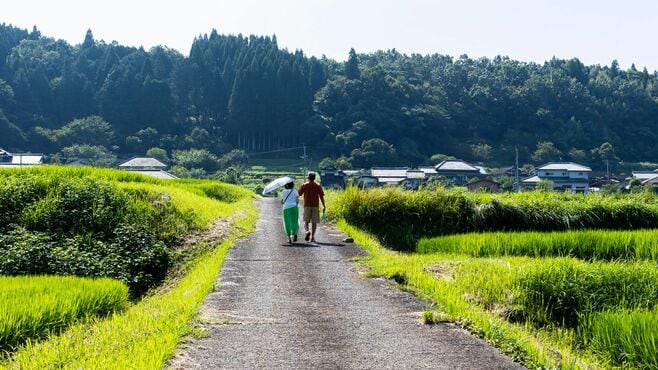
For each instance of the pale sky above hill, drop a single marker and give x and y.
(596, 31)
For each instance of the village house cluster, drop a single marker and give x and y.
(561, 176)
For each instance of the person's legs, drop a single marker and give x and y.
(294, 227)
(307, 220)
(288, 222)
(315, 218)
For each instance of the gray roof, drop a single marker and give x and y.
(389, 172)
(564, 166)
(531, 180)
(455, 165)
(142, 162)
(644, 175)
(428, 170)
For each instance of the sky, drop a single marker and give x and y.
(595, 31)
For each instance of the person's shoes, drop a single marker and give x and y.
(289, 240)
(312, 240)
(308, 236)
(294, 238)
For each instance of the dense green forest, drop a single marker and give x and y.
(236, 95)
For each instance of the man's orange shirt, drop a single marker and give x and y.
(311, 192)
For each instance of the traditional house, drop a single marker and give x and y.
(147, 166)
(15, 160)
(564, 176)
(458, 172)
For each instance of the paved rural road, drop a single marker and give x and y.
(306, 307)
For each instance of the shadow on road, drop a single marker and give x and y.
(300, 245)
(312, 245)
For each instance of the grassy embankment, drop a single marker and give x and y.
(540, 308)
(146, 334)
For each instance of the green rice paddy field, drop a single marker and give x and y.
(553, 280)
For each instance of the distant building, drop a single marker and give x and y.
(564, 176)
(389, 175)
(332, 178)
(458, 172)
(142, 163)
(14, 160)
(486, 185)
(148, 166)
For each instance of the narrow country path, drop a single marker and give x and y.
(306, 307)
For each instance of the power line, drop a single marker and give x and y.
(276, 151)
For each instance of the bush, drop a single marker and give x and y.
(132, 255)
(78, 206)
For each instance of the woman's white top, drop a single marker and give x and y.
(292, 199)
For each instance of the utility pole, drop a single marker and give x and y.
(607, 169)
(516, 169)
(305, 158)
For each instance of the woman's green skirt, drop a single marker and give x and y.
(291, 220)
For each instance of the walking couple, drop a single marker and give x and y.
(313, 194)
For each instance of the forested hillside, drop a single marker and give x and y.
(97, 100)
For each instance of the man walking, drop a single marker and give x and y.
(313, 194)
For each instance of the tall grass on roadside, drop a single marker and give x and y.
(32, 307)
(399, 218)
(625, 338)
(584, 244)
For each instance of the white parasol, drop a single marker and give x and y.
(277, 184)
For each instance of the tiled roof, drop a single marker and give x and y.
(142, 162)
(455, 165)
(564, 166)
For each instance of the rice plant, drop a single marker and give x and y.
(32, 307)
(625, 338)
(564, 291)
(585, 244)
(400, 218)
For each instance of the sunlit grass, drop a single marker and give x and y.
(584, 244)
(145, 336)
(31, 307)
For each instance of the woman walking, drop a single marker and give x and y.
(290, 200)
